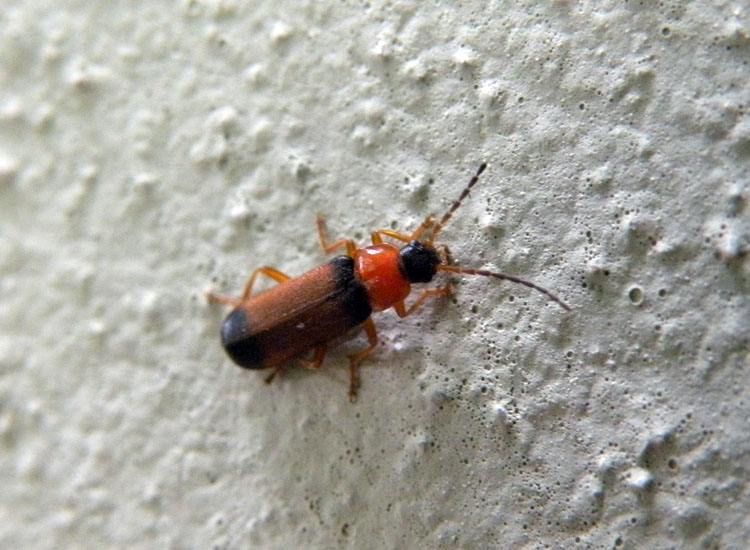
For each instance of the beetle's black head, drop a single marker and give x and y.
(418, 262)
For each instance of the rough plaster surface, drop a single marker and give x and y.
(153, 150)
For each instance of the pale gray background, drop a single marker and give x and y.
(153, 150)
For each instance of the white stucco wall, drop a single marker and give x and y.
(153, 150)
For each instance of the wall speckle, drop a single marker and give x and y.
(148, 154)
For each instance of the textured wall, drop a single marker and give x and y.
(153, 150)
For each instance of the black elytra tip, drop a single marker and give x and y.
(418, 262)
(238, 341)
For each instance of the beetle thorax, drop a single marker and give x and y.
(377, 266)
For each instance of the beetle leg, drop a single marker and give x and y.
(429, 221)
(403, 311)
(377, 236)
(274, 274)
(320, 353)
(217, 299)
(317, 360)
(372, 337)
(271, 376)
(327, 247)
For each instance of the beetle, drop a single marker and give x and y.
(268, 329)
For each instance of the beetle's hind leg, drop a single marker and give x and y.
(274, 274)
(318, 355)
(268, 379)
(317, 360)
(218, 299)
(270, 272)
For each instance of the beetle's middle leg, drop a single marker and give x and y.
(372, 337)
(327, 247)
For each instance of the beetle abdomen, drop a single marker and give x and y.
(296, 315)
(238, 340)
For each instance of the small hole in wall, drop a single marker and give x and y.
(635, 294)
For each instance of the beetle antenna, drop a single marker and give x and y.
(465, 193)
(503, 276)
